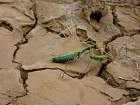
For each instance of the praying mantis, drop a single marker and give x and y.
(70, 56)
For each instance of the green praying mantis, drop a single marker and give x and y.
(70, 56)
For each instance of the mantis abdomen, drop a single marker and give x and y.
(65, 57)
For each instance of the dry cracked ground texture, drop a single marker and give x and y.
(33, 31)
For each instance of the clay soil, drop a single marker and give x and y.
(34, 31)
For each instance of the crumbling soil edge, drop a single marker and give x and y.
(23, 74)
(123, 33)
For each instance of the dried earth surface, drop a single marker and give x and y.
(33, 31)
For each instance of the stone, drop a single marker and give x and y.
(9, 14)
(7, 47)
(10, 87)
(12, 25)
(48, 10)
(127, 50)
(101, 86)
(133, 103)
(26, 7)
(121, 73)
(129, 22)
(126, 61)
(48, 46)
(132, 85)
(53, 89)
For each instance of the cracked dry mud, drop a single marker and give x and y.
(33, 31)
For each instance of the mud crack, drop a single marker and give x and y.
(23, 73)
(6, 25)
(68, 72)
(121, 28)
(123, 32)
